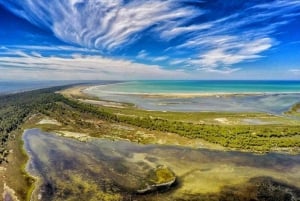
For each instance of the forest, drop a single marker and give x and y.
(16, 108)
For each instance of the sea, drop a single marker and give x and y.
(14, 86)
(204, 86)
(273, 97)
(8, 87)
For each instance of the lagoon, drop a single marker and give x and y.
(114, 170)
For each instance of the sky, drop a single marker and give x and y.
(149, 39)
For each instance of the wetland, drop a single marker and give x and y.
(101, 169)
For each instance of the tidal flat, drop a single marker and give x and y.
(269, 103)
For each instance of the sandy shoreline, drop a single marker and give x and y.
(74, 91)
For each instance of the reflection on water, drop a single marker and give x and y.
(271, 103)
(113, 170)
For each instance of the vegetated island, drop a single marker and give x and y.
(76, 115)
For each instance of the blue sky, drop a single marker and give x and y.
(149, 39)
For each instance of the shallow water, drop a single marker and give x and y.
(111, 170)
(270, 103)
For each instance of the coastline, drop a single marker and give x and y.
(81, 90)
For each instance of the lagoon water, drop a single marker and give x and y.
(232, 96)
(98, 168)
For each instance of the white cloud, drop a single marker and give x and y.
(177, 61)
(142, 54)
(212, 45)
(222, 52)
(295, 70)
(36, 54)
(224, 70)
(78, 67)
(51, 48)
(233, 39)
(171, 32)
(232, 52)
(160, 58)
(102, 24)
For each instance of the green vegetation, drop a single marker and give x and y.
(15, 175)
(161, 178)
(161, 174)
(81, 189)
(294, 110)
(243, 137)
(16, 108)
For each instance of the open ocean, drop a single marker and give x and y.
(8, 87)
(201, 86)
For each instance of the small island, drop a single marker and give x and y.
(159, 179)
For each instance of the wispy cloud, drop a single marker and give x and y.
(209, 40)
(51, 48)
(295, 70)
(100, 24)
(224, 70)
(236, 38)
(232, 52)
(161, 58)
(142, 54)
(78, 67)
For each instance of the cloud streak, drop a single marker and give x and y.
(295, 71)
(101, 24)
(197, 37)
(236, 38)
(78, 66)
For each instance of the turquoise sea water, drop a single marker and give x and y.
(197, 86)
(266, 96)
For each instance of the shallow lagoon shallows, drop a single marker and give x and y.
(227, 96)
(114, 169)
